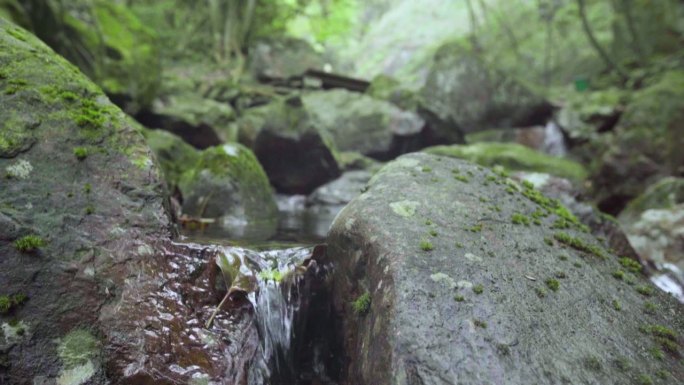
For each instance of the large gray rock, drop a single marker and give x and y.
(443, 276)
(466, 94)
(282, 57)
(80, 199)
(360, 123)
(296, 156)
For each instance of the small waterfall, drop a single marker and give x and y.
(275, 286)
(554, 142)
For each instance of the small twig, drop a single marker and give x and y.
(213, 315)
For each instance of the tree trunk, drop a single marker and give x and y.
(592, 39)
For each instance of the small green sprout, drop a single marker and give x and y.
(478, 289)
(459, 298)
(480, 324)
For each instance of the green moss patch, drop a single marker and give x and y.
(361, 305)
(512, 157)
(29, 243)
(579, 244)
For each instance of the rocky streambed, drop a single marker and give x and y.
(439, 271)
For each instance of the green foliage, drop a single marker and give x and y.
(271, 275)
(325, 21)
(362, 304)
(478, 289)
(29, 243)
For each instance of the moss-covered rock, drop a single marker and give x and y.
(79, 194)
(199, 121)
(360, 123)
(467, 93)
(387, 88)
(512, 156)
(646, 144)
(106, 41)
(462, 292)
(174, 155)
(296, 155)
(227, 182)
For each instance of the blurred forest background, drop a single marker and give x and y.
(588, 90)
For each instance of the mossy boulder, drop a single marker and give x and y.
(646, 144)
(199, 121)
(512, 156)
(360, 123)
(173, 154)
(459, 284)
(252, 120)
(296, 155)
(282, 58)
(80, 197)
(228, 183)
(387, 88)
(467, 94)
(106, 41)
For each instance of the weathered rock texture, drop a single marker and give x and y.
(79, 199)
(472, 279)
(296, 156)
(465, 92)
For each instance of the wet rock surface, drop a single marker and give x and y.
(449, 273)
(654, 222)
(80, 197)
